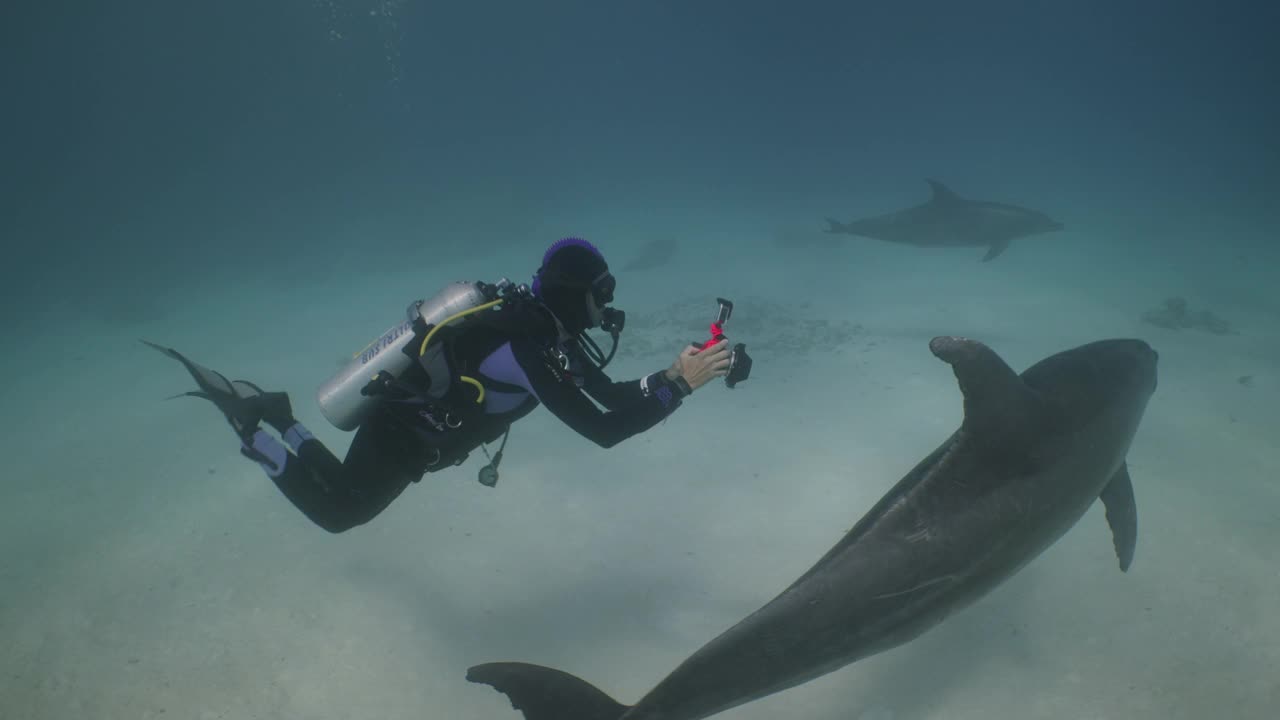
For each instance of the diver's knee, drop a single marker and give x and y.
(337, 526)
(353, 518)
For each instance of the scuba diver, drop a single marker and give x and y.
(454, 376)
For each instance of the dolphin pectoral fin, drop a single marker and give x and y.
(1122, 515)
(544, 693)
(835, 227)
(994, 251)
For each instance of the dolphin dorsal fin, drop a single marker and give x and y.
(942, 194)
(996, 400)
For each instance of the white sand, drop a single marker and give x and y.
(148, 571)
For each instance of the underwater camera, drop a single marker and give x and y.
(739, 361)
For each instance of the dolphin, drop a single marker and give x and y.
(654, 254)
(1032, 454)
(949, 220)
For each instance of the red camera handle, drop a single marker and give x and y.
(717, 334)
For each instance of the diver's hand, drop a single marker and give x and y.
(699, 367)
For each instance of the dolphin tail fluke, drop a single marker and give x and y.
(544, 693)
(835, 227)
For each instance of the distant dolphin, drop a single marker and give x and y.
(653, 254)
(949, 220)
(1031, 456)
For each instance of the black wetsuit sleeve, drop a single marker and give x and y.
(635, 413)
(612, 395)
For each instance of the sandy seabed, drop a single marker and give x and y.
(148, 571)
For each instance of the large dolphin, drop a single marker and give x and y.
(948, 220)
(1031, 456)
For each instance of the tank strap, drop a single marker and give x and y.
(451, 388)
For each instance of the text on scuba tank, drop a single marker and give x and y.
(384, 342)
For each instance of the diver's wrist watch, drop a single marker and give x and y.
(649, 384)
(683, 386)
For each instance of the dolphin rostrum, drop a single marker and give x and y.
(1033, 453)
(948, 220)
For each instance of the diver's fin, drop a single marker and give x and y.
(1122, 515)
(835, 227)
(209, 381)
(544, 693)
(994, 251)
(239, 401)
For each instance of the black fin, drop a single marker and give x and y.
(236, 399)
(995, 398)
(942, 193)
(211, 382)
(996, 248)
(1122, 515)
(544, 693)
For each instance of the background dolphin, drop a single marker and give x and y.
(1031, 456)
(949, 220)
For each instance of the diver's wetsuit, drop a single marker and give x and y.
(521, 364)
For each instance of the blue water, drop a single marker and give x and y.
(265, 186)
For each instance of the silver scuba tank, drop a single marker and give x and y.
(341, 399)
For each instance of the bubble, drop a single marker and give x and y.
(345, 18)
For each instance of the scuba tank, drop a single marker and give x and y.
(342, 398)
